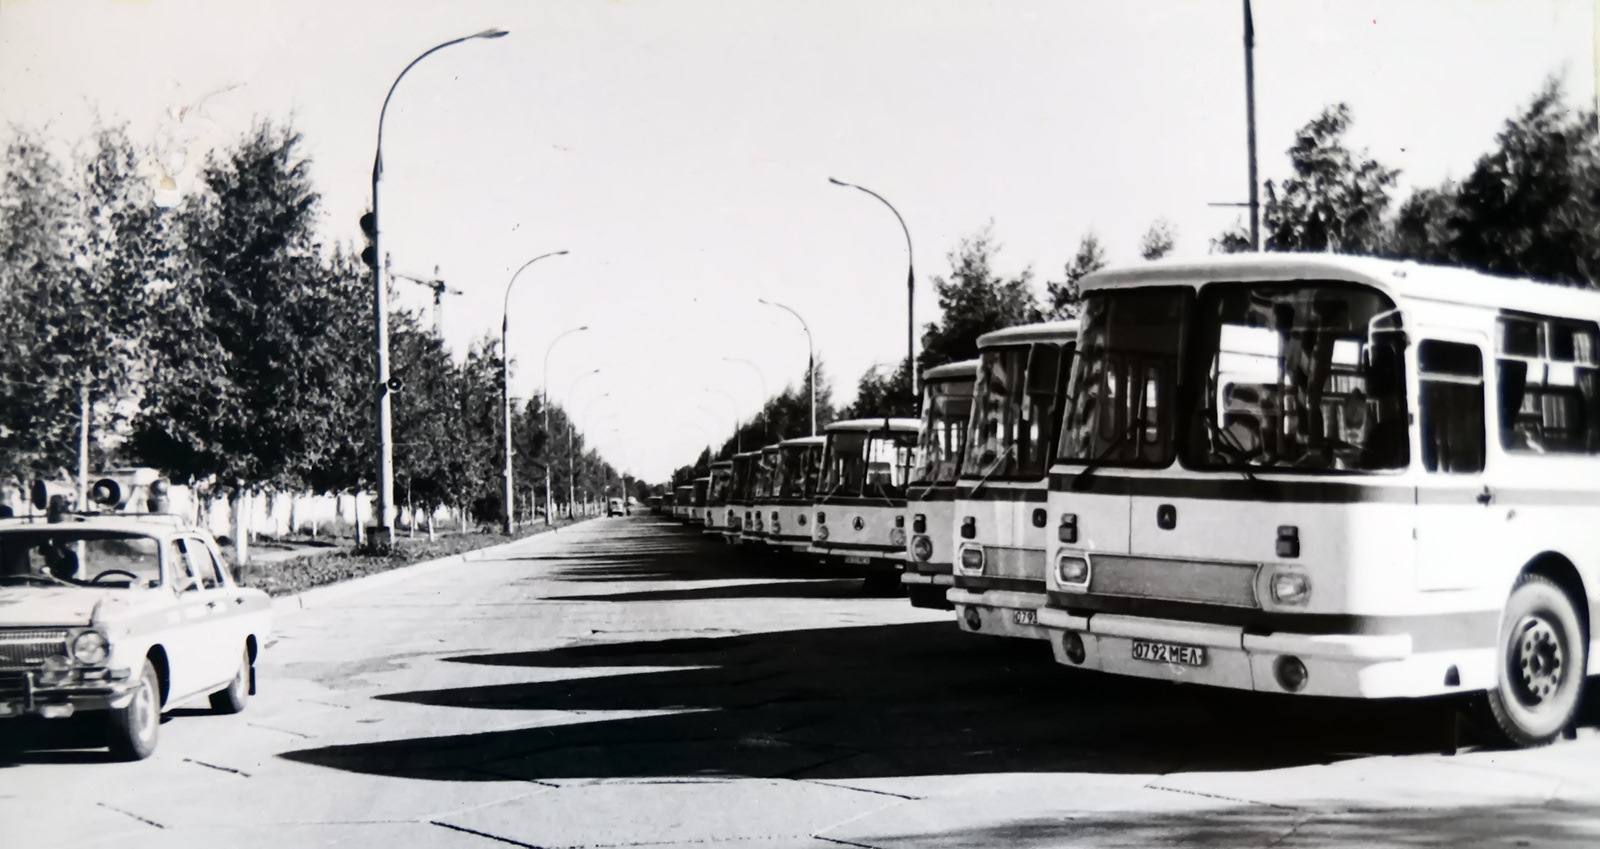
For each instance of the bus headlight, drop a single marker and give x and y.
(822, 533)
(777, 527)
(972, 558)
(922, 548)
(897, 537)
(1072, 569)
(1292, 588)
(90, 648)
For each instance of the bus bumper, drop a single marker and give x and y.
(999, 613)
(1371, 666)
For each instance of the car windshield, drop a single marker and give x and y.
(1012, 431)
(1304, 376)
(78, 557)
(718, 493)
(945, 411)
(868, 465)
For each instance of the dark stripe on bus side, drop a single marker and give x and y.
(1036, 495)
(1429, 632)
(1240, 489)
(974, 582)
(856, 546)
(861, 501)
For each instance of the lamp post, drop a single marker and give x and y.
(911, 291)
(380, 302)
(549, 503)
(811, 359)
(505, 381)
(572, 489)
(761, 378)
(572, 434)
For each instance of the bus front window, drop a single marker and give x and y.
(1120, 395)
(1014, 407)
(844, 464)
(1304, 376)
(944, 432)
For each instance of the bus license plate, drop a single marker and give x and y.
(1169, 653)
(857, 559)
(1025, 617)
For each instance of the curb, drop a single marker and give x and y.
(323, 595)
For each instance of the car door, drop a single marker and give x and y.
(219, 648)
(189, 659)
(242, 612)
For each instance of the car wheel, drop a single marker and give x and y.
(232, 699)
(133, 730)
(1542, 660)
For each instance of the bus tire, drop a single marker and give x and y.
(1542, 656)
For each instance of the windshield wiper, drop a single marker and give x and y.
(993, 467)
(1232, 444)
(1085, 477)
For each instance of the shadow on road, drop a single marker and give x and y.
(889, 700)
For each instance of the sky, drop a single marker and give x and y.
(680, 150)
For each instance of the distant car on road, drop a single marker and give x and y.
(122, 615)
(614, 507)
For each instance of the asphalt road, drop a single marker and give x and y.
(627, 683)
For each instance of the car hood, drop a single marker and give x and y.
(28, 606)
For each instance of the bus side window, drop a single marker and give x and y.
(1452, 406)
(1549, 385)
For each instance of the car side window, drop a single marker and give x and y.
(180, 574)
(202, 563)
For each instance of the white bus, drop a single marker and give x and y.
(741, 494)
(696, 514)
(716, 511)
(930, 499)
(999, 535)
(763, 476)
(794, 487)
(860, 509)
(1333, 476)
(682, 503)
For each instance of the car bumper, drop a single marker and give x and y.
(30, 694)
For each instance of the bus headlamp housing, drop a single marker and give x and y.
(922, 548)
(1072, 571)
(822, 532)
(897, 537)
(1291, 588)
(972, 558)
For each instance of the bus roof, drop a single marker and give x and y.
(684, 489)
(1399, 279)
(771, 449)
(745, 455)
(706, 479)
(1047, 331)
(876, 426)
(722, 464)
(803, 440)
(952, 371)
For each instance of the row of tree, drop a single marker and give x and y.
(220, 342)
(1530, 207)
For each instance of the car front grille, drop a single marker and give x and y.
(28, 647)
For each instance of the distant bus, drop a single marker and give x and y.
(1333, 476)
(999, 533)
(930, 500)
(717, 493)
(795, 485)
(860, 509)
(764, 476)
(696, 515)
(682, 503)
(741, 496)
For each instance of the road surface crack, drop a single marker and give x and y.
(464, 830)
(217, 767)
(131, 814)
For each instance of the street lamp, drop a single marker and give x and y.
(380, 301)
(572, 489)
(572, 436)
(761, 377)
(738, 437)
(911, 290)
(811, 359)
(549, 504)
(505, 380)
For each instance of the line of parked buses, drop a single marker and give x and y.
(1281, 473)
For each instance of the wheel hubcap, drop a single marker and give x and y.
(1539, 661)
(144, 714)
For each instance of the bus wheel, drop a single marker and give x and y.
(1542, 661)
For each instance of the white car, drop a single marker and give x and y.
(125, 614)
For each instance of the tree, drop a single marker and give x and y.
(1159, 240)
(1336, 199)
(973, 300)
(878, 395)
(1064, 296)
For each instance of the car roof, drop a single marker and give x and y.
(145, 524)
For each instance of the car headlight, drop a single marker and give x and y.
(922, 548)
(90, 648)
(1072, 569)
(1291, 588)
(897, 537)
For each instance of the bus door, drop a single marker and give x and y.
(1455, 508)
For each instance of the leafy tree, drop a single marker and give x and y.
(973, 300)
(1336, 199)
(1064, 296)
(878, 394)
(1159, 240)
(1234, 240)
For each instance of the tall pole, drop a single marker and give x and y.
(572, 441)
(380, 305)
(505, 385)
(761, 377)
(572, 487)
(738, 436)
(83, 443)
(911, 292)
(811, 359)
(1250, 123)
(549, 503)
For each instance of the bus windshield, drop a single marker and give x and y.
(718, 494)
(868, 465)
(1125, 372)
(742, 480)
(1304, 376)
(797, 474)
(1012, 430)
(945, 411)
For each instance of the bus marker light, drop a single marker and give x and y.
(1291, 673)
(900, 520)
(1288, 541)
(1291, 588)
(1072, 569)
(1067, 531)
(973, 618)
(921, 547)
(1072, 646)
(822, 518)
(969, 527)
(919, 523)
(1039, 518)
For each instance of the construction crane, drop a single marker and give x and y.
(439, 291)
